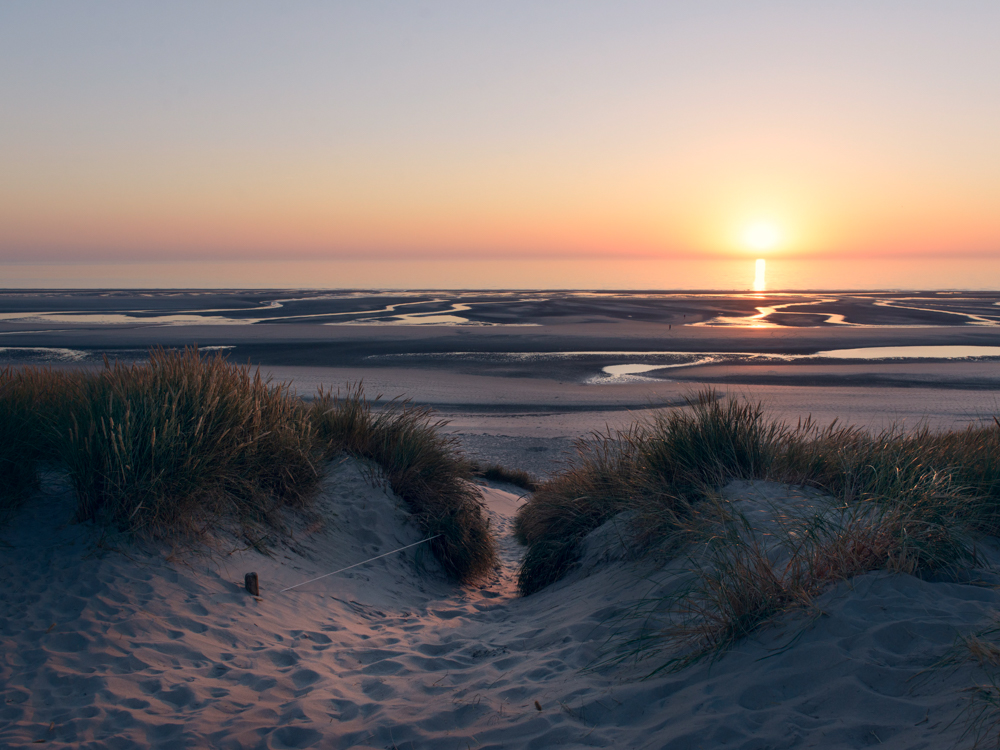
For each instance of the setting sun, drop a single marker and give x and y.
(761, 236)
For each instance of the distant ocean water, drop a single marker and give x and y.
(515, 273)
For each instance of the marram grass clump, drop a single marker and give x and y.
(913, 496)
(506, 474)
(422, 465)
(33, 403)
(19, 452)
(658, 468)
(602, 482)
(187, 441)
(901, 502)
(744, 578)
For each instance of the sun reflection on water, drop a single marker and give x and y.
(758, 278)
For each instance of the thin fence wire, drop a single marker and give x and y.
(370, 559)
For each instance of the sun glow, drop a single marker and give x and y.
(761, 235)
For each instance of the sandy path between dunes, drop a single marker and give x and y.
(104, 648)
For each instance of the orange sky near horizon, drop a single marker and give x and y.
(441, 130)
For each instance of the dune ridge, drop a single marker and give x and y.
(106, 644)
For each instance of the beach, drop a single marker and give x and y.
(515, 366)
(107, 642)
(109, 645)
(499, 376)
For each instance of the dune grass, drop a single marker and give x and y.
(33, 403)
(422, 465)
(185, 439)
(500, 473)
(603, 482)
(980, 652)
(659, 468)
(18, 449)
(904, 502)
(188, 441)
(743, 578)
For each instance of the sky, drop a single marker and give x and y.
(859, 136)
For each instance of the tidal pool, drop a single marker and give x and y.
(911, 352)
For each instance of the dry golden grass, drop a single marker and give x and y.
(422, 465)
(33, 404)
(926, 484)
(898, 502)
(499, 473)
(600, 484)
(186, 438)
(981, 714)
(660, 469)
(188, 441)
(747, 578)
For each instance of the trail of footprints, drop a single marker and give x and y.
(105, 649)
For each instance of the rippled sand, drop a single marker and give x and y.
(108, 645)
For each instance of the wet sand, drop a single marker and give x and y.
(530, 365)
(289, 307)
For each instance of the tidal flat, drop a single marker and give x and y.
(509, 367)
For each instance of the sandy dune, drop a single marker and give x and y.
(108, 645)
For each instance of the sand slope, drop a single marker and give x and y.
(106, 648)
